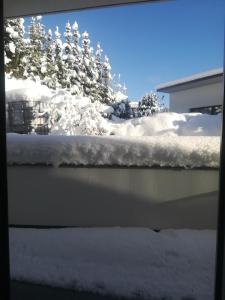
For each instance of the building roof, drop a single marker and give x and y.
(200, 79)
(15, 8)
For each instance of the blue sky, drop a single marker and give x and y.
(150, 44)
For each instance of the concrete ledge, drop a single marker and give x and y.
(28, 291)
(154, 198)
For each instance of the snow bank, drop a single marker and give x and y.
(77, 115)
(164, 139)
(130, 262)
(26, 90)
(171, 124)
(173, 151)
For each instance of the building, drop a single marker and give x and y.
(202, 92)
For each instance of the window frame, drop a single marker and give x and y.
(13, 8)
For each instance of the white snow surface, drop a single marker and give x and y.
(131, 262)
(172, 151)
(171, 124)
(26, 90)
(81, 135)
(77, 115)
(119, 96)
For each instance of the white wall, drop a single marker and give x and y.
(182, 101)
(99, 197)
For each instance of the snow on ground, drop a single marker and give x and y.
(171, 124)
(172, 151)
(131, 262)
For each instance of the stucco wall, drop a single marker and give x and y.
(154, 198)
(182, 101)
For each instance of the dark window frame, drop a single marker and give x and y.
(4, 235)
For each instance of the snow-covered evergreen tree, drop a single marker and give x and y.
(98, 62)
(89, 69)
(14, 47)
(68, 57)
(49, 57)
(123, 109)
(76, 75)
(148, 105)
(107, 92)
(36, 48)
(59, 65)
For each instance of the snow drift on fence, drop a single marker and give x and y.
(26, 90)
(131, 262)
(172, 151)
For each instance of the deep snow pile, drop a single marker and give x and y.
(26, 90)
(77, 115)
(81, 135)
(130, 262)
(171, 124)
(188, 152)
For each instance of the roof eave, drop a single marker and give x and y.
(190, 84)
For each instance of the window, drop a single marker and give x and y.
(210, 110)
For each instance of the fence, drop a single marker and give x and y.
(25, 117)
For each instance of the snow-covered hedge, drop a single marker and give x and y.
(187, 152)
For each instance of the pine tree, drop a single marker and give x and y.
(76, 80)
(89, 69)
(148, 105)
(98, 62)
(50, 78)
(68, 57)
(14, 47)
(123, 109)
(59, 65)
(107, 92)
(36, 49)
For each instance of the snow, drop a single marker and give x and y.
(12, 47)
(133, 104)
(21, 90)
(130, 262)
(119, 96)
(69, 107)
(187, 152)
(171, 124)
(82, 135)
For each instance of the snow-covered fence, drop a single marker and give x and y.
(171, 183)
(26, 116)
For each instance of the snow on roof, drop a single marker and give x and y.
(133, 104)
(26, 90)
(198, 79)
(120, 97)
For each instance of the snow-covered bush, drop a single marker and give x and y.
(75, 115)
(148, 105)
